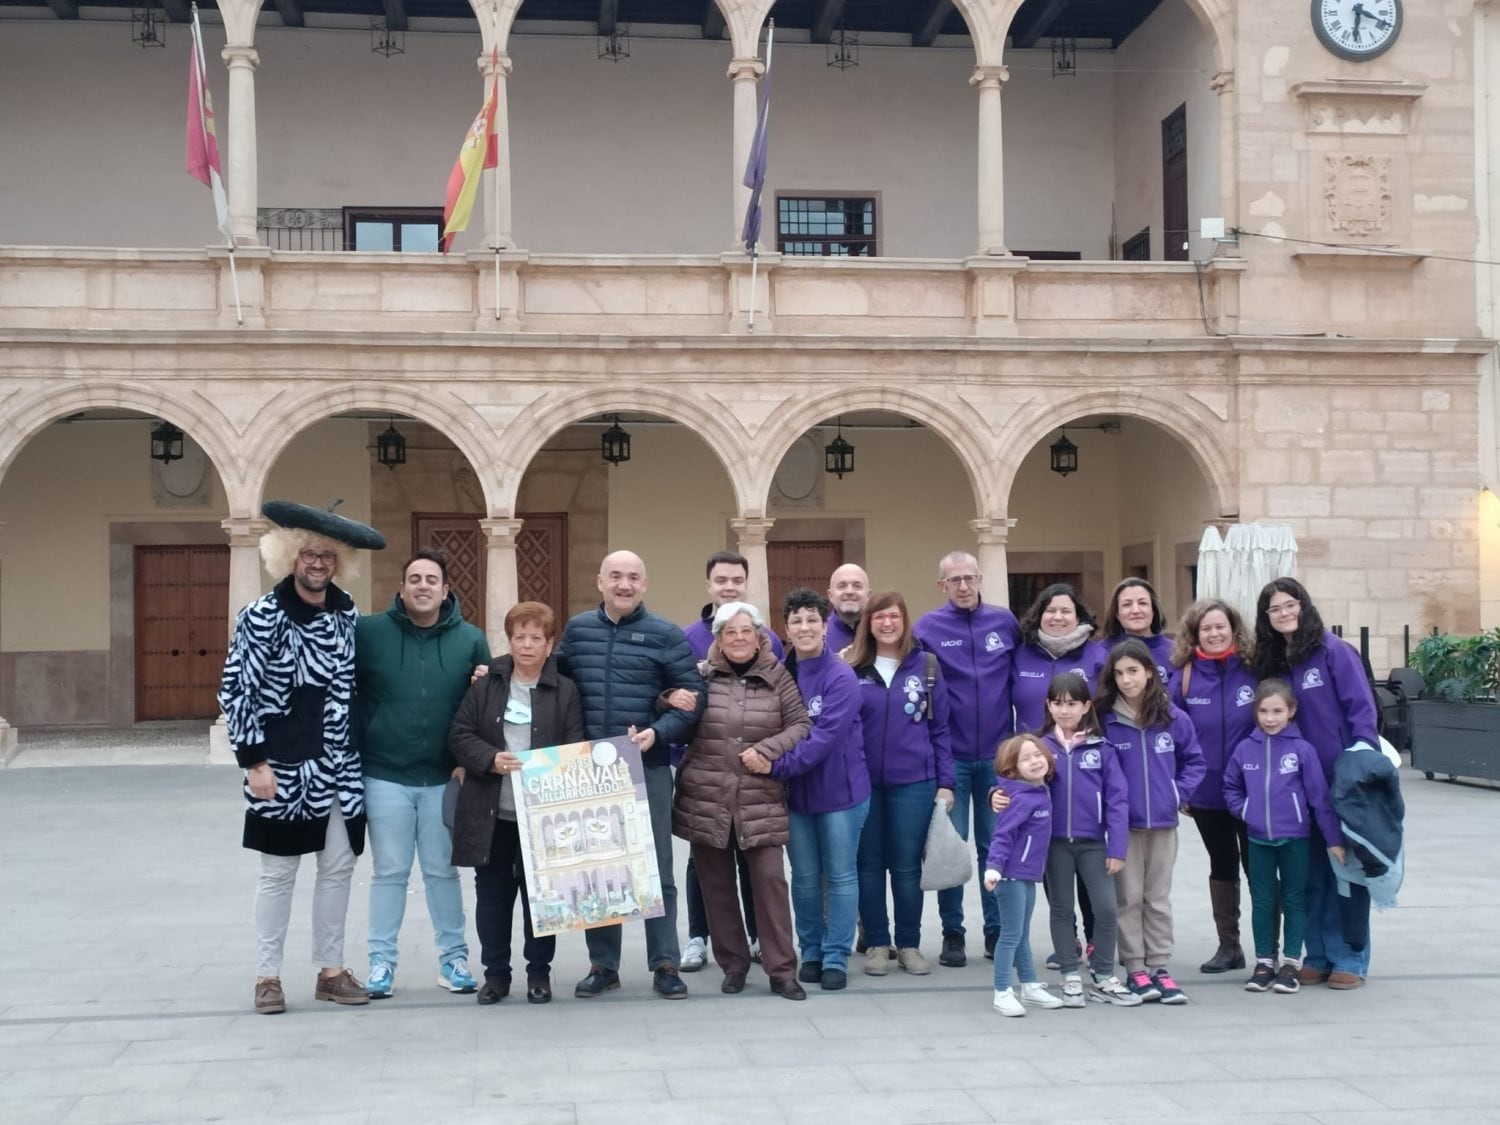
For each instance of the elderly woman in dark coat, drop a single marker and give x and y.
(753, 711)
(523, 704)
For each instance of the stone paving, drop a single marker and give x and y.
(126, 966)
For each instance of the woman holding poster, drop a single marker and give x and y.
(523, 704)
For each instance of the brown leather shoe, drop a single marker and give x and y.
(789, 988)
(269, 999)
(733, 982)
(1309, 975)
(342, 989)
(1345, 981)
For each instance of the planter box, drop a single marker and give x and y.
(1456, 739)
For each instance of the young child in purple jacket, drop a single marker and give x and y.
(1017, 859)
(1274, 783)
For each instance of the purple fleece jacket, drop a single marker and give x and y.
(1159, 645)
(1090, 800)
(1275, 784)
(1032, 671)
(974, 648)
(826, 771)
(1161, 764)
(902, 748)
(1220, 701)
(1023, 831)
(1335, 708)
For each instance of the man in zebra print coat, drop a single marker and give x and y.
(286, 694)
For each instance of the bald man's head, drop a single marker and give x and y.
(848, 591)
(622, 583)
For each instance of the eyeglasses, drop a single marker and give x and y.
(961, 580)
(312, 558)
(1284, 609)
(885, 618)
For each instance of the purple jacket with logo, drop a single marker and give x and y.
(1275, 784)
(1161, 763)
(1220, 701)
(826, 771)
(1159, 645)
(840, 636)
(1090, 800)
(974, 648)
(902, 748)
(1023, 831)
(1335, 708)
(1032, 670)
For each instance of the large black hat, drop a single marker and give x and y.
(323, 522)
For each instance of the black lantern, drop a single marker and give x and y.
(615, 444)
(1064, 456)
(390, 447)
(838, 454)
(166, 443)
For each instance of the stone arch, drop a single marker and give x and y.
(204, 423)
(790, 421)
(1217, 16)
(283, 418)
(745, 18)
(1209, 438)
(549, 415)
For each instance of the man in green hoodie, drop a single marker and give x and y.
(412, 666)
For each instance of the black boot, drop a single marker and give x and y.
(1225, 898)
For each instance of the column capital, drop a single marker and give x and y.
(236, 57)
(751, 531)
(1223, 82)
(746, 69)
(987, 77)
(487, 69)
(992, 532)
(245, 531)
(501, 531)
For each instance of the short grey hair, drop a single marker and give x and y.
(956, 557)
(730, 610)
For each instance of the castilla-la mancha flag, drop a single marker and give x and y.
(480, 150)
(202, 143)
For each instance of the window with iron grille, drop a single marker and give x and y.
(833, 226)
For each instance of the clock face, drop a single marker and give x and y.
(1357, 29)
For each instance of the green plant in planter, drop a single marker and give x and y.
(1460, 669)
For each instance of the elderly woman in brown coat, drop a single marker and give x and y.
(753, 707)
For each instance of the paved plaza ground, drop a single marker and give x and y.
(127, 961)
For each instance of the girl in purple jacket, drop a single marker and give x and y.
(1017, 859)
(1275, 784)
(1158, 749)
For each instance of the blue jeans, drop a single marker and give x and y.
(1014, 900)
(1326, 949)
(824, 850)
(971, 785)
(894, 835)
(406, 821)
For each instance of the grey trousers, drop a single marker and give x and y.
(662, 949)
(273, 901)
(1086, 858)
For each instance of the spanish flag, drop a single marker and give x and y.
(480, 150)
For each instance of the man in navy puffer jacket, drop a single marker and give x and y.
(622, 658)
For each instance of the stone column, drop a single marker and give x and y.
(993, 534)
(241, 174)
(502, 583)
(497, 216)
(1229, 152)
(989, 80)
(244, 534)
(7, 732)
(750, 540)
(745, 74)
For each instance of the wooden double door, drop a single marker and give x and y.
(541, 559)
(181, 631)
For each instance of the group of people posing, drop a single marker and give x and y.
(1065, 749)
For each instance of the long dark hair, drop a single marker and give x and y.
(1073, 688)
(1112, 630)
(1031, 620)
(1275, 654)
(1154, 709)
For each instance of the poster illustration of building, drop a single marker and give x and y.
(586, 836)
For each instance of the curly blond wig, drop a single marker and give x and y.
(280, 545)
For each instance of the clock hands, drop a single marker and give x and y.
(1359, 12)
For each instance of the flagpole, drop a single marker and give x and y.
(495, 172)
(234, 273)
(755, 246)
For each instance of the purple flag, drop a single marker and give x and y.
(755, 170)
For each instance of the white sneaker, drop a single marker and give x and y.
(1072, 991)
(877, 961)
(1112, 990)
(1035, 993)
(1007, 1004)
(694, 956)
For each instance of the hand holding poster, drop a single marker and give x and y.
(586, 836)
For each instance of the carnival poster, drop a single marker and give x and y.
(586, 836)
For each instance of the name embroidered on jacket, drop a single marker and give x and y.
(951, 644)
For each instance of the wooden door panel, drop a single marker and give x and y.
(541, 558)
(1174, 185)
(181, 600)
(796, 563)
